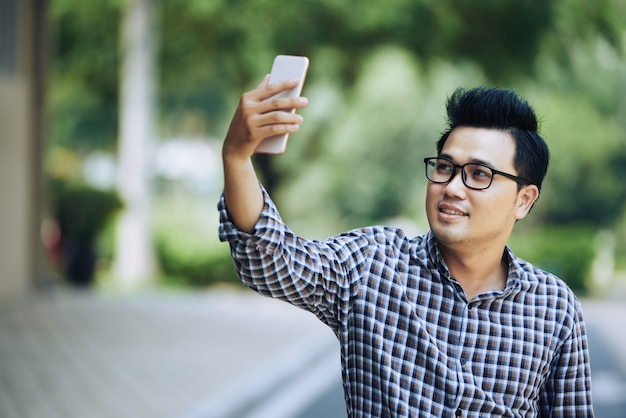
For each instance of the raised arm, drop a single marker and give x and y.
(257, 117)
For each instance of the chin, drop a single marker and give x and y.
(447, 237)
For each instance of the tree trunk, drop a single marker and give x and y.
(134, 258)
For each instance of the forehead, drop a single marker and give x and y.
(490, 146)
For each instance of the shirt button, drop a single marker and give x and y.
(463, 361)
(458, 412)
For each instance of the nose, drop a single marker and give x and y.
(456, 187)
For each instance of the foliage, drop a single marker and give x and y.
(184, 265)
(211, 51)
(566, 252)
(585, 180)
(620, 244)
(84, 74)
(377, 84)
(367, 167)
(187, 248)
(82, 211)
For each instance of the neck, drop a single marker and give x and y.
(477, 271)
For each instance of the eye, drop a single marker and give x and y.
(480, 172)
(443, 167)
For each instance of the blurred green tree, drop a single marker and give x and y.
(585, 182)
(84, 74)
(211, 51)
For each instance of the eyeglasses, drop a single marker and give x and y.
(476, 176)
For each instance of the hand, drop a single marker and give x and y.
(260, 115)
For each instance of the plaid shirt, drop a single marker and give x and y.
(411, 344)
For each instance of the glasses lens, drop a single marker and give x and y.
(439, 170)
(477, 176)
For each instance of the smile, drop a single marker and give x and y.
(449, 211)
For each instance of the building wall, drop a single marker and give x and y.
(21, 101)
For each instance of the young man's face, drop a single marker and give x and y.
(458, 215)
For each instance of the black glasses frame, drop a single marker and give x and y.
(432, 161)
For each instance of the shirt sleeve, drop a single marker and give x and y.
(319, 276)
(568, 390)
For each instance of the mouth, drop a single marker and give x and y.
(451, 211)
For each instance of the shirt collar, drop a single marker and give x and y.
(437, 262)
(434, 255)
(515, 270)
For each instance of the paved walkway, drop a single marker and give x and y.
(184, 355)
(82, 355)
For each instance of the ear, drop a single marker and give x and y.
(525, 200)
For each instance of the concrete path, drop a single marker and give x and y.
(88, 355)
(217, 354)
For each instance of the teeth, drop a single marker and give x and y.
(451, 212)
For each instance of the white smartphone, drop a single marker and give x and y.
(285, 67)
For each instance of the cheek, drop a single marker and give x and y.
(501, 208)
(431, 196)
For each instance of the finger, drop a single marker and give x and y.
(278, 118)
(265, 90)
(270, 90)
(278, 129)
(285, 104)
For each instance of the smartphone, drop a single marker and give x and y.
(285, 67)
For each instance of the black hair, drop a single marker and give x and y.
(505, 110)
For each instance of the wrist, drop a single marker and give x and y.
(235, 159)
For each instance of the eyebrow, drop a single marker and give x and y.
(472, 161)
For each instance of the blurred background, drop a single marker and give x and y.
(112, 115)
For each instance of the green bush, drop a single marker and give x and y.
(82, 211)
(188, 251)
(185, 265)
(567, 252)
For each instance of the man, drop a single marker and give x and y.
(450, 323)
